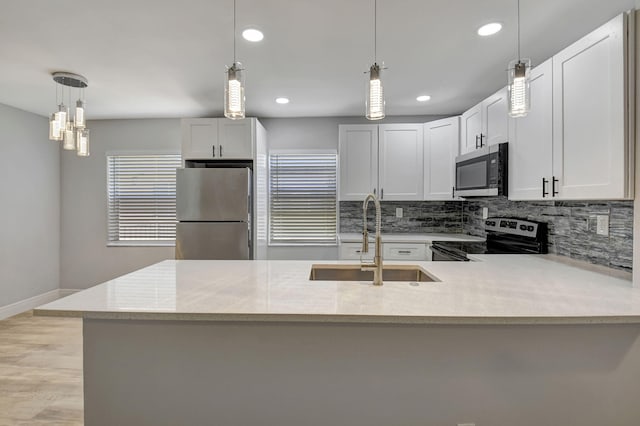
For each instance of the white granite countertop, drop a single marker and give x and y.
(494, 289)
(410, 238)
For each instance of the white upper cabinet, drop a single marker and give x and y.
(441, 142)
(236, 138)
(590, 115)
(358, 161)
(401, 161)
(471, 122)
(199, 138)
(385, 160)
(531, 141)
(485, 124)
(495, 119)
(217, 138)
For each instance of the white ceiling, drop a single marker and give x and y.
(161, 58)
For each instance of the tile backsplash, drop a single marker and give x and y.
(572, 224)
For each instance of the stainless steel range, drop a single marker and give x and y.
(504, 236)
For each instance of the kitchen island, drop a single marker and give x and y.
(504, 339)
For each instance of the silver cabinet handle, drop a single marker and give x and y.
(381, 193)
(404, 251)
(481, 136)
(220, 151)
(553, 186)
(214, 151)
(544, 191)
(374, 191)
(453, 192)
(476, 141)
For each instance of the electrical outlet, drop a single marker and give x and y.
(602, 227)
(485, 215)
(398, 211)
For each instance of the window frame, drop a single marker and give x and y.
(337, 209)
(134, 243)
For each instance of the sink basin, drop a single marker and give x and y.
(407, 273)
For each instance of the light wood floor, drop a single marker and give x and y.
(40, 371)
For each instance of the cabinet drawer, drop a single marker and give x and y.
(352, 251)
(399, 251)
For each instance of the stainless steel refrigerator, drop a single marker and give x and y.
(214, 213)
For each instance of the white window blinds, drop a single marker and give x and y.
(302, 199)
(141, 191)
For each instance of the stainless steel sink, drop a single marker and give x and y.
(406, 273)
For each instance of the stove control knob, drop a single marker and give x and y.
(530, 228)
(523, 227)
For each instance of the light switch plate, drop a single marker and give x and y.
(485, 212)
(602, 227)
(398, 211)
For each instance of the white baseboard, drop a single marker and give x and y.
(32, 302)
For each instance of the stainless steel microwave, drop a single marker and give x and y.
(483, 172)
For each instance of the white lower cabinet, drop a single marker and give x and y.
(403, 251)
(390, 251)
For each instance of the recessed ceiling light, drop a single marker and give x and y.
(423, 98)
(282, 100)
(251, 34)
(489, 29)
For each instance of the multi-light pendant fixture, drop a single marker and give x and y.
(519, 82)
(375, 92)
(234, 85)
(72, 131)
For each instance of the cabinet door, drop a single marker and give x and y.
(471, 128)
(495, 119)
(589, 136)
(199, 138)
(358, 161)
(442, 138)
(401, 161)
(235, 138)
(531, 140)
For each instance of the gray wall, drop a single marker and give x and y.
(85, 258)
(30, 213)
(316, 133)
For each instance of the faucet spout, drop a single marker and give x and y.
(376, 266)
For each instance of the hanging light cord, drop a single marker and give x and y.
(518, 30)
(375, 31)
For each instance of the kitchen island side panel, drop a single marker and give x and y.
(181, 372)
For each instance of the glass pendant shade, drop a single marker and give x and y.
(79, 116)
(82, 136)
(234, 92)
(375, 95)
(61, 118)
(69, 141)
(55, 133)
(519, 87)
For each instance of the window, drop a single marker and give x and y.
(141, 191)
(302, 198)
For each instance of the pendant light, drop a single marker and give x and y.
(234, 86)
(71, 130)
(519, 82)
(375, 93)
